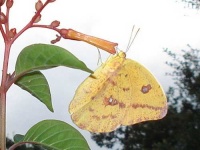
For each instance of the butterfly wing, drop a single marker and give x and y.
(93, 108)
(106, 109)
(95, 82)
(101, 114)
(144, 98)
(123, 92)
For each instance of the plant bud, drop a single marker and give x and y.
(55, 23)
(3, 18)
(38, 19)
(2, 2)
(38, 5)
(9, 3)
(12, 32)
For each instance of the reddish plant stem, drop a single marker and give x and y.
(2, 121)
(46, 26)
(3, 97)
(3, 33)
(7, 24)
(4, 82)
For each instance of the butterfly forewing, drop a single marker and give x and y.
(90, 106)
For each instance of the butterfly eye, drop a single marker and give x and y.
(146, 89)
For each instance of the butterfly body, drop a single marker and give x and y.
(120, 92)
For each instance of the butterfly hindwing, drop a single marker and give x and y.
(145, 98)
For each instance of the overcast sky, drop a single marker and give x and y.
(162, 23)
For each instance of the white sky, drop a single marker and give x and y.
(162, 23)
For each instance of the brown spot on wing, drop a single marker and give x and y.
(122, 105)
(110, 101)
(146, 89)
(96, 117)
(146, 106)
(113, 116)
(82, 126)
(90, 109)
(126, 89)
(112, 82)
(105, 116)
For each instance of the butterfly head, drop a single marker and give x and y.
(122, 54)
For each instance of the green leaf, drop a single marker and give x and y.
(44, 56)
(56, 135)
(18, 138)
(36, 84)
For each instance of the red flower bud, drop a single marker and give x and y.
(9, 3)
(55, 23)
(3, 18)
(38, 18)
(12, 32)
(2, 2)
(100, 43)
(38, 5)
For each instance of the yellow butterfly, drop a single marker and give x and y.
(120, 92)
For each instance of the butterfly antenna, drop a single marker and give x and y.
(130, 42)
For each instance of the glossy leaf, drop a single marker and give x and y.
(36, 84)
(55, 134)
(44, 56)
